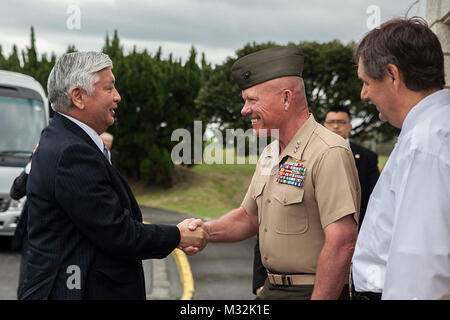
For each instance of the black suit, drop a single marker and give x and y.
(20, 238)
(115, 158)
(17, 192)
(367, 165)
(84, 223)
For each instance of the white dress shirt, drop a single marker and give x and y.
(403, 248)
(28, 168)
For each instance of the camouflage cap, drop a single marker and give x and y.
(267, 64)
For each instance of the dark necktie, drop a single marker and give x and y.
(106, 153)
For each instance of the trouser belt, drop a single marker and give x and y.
(291, 279)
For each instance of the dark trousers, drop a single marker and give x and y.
(304, 292)
(23, 264)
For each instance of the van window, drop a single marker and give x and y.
(21, 123)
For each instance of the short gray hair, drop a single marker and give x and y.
(107, 135)
(77, 69)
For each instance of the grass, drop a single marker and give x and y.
(204, 190)
(207, 191)
(382, 161)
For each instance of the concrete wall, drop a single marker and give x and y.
(438, 18)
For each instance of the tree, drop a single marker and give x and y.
(31, 65)
(160, 95)
(29, 57)
(13, 61)
(157, 98)
(2, 59)
(330, 78)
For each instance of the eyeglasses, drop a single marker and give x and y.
(339, 122)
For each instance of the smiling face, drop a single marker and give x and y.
(100, 106)
(264, 106)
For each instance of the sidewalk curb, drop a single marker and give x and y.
(184, 269)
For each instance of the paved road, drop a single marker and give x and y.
(221, 271)
(9, 270)
(224, 271)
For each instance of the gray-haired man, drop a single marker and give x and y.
(86, 236)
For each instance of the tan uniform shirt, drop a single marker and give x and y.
(292, 217)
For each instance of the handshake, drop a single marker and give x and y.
(194, 236)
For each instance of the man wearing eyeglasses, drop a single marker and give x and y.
(338, 120)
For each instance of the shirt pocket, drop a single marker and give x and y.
(257, 196)
(292, 217)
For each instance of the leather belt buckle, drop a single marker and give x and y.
(272, 278)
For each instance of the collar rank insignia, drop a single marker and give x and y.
(292, 173)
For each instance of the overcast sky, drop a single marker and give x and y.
(216, 27)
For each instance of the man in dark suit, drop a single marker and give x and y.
(20, 238)
(86, 236)
(108, 139)
(338, 120)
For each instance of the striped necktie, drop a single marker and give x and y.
(106, 153)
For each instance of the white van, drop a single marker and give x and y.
(23, 115)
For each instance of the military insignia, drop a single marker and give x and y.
(292, 173)
(246, 75)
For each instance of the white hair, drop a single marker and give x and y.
(77, 69)
(107, 135)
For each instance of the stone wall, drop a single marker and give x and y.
(438, 18)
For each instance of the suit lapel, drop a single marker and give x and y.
(357, 155)
(355, 151)
(122, 184)
(135, 210)
(76, 130)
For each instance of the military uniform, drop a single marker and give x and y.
(292, 213)
(299, 192)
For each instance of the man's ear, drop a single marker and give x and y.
(287, 99)
(394, 74)
(78, 97)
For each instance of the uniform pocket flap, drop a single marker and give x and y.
(258, 189)
(290, 197)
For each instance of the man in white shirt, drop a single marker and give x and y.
(403, 248)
